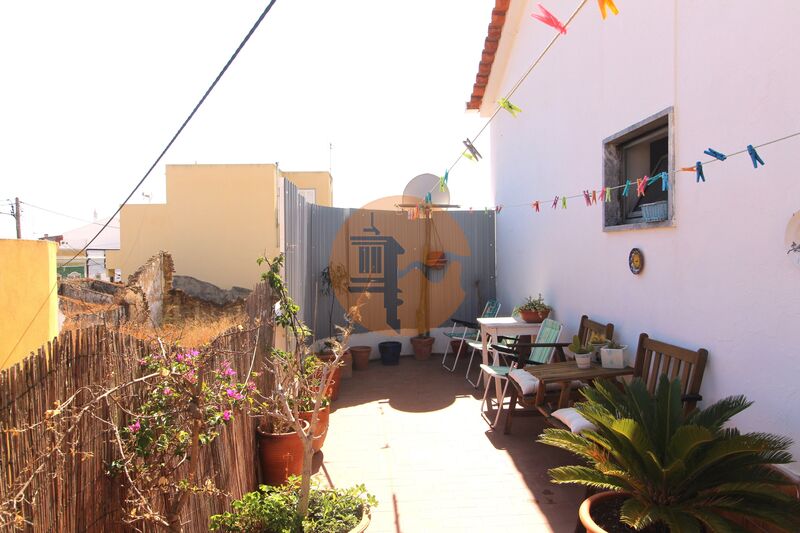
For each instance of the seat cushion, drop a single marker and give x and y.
(573, 420)
(529, 384)
(496, 370)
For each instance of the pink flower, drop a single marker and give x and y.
(193, 353)
(189, 376)
(179, 357)
(167, 391)
(142, 362)
(229, 372)
(136, 426)
(231, 392)
(226, 415)
(251, 386)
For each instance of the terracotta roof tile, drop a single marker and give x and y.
(489, 50)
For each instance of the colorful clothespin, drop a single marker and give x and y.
(508, 106)
(607, 3)
(687, 169)
(428, 198)
(443, 180)
(476, 155)
(664, 177)
(498, 208)
(641, 185)
(587, 198)
(468, 155)
(535, 205)
(717, 155)
(699, 169)
(563, 202)
(594, 197)
(555, 202)
(754, 156)
(608, 194)
(549, 19)
(627, 188)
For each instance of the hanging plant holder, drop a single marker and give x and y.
(436, 260)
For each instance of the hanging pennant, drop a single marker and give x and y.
(754, 157)
(535, 205)
(641, 185)
(717, 155)
(549, 19)
(474, 154)
(607, 4)
(443, 180)
(555, 202)
(508, 106)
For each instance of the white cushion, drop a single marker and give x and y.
(526, 381)
(574, 420)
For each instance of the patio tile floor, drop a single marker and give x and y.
(414, 436)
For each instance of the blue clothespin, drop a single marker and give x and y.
(664, 177)
(698, 167)
(443, 180)
(428, 199)
(627, 188)
(717, 155)
(754, 156)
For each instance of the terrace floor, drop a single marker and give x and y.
(414, 436)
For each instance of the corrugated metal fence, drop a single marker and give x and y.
(362, 241)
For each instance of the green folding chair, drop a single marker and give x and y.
(541, 352)
(468, 334)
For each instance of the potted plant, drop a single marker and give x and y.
(423, 346)
(324, 413)
(272, 509)
(360, 357)
(533, 311)
(583, 353)
(667, 471)
(612, 355)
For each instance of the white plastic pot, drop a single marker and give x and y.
(584, 360)
(612, 357)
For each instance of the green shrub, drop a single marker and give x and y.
(272, 510)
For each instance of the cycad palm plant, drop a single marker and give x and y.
(683, 473)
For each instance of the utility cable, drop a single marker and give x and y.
(152, 167)
(66, 215)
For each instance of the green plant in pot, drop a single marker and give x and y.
(583, 352)
(269, 509)
(670, 471)
(534, 310)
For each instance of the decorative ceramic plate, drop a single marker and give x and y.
(792, 240)
(636, 260)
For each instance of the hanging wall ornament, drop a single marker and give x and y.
(636, 261)
(791, 241)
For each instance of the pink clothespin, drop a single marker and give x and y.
(549, 19)
(555, 202)
(641, 185)
(535, 205)
(498, 208)
(587, 198)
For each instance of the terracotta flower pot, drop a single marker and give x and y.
(332, 391)
(347, 366)
(323, 421)
(584, 512)
(281, 455)
(533, 317)
(422, 347)
(360, 357)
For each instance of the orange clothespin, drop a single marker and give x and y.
(607, 4)
(594, 197)
(535, 205)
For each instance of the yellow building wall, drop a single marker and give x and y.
(322, 182)
(28, 298)
(217, 221)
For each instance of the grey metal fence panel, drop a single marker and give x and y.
(311, 231)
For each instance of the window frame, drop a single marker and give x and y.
(614, 164)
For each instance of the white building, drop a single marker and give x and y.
(645, 91)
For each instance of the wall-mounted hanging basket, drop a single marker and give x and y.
(436, 260)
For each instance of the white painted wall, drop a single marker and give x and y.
(720, 279)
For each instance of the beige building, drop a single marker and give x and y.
(217, 221)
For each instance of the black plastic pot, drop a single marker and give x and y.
(390, 352)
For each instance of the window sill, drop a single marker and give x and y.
(640, 225)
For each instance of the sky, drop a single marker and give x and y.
(92, 91)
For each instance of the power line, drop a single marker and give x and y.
(153, 166)
(67, 216)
